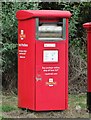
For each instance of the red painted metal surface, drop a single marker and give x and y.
(26, 14)
(88, 27)
(50, 98)
(36, 89)
(26, 65)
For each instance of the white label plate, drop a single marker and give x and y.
(49, 45)
(50, 56)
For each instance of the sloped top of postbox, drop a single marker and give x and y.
(26, 14)
(87, 25)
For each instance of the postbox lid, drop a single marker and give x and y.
(87, 25)
(26, 14)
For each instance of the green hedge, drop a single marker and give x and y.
(9, 40)
(81, 13)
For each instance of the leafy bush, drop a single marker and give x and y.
(9, 40)
(77, 37)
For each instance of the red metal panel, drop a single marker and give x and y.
(88, 27)
(26, 64)
(89, 61)
(50, 97)
(26, 14)
(41, 85)
(66, 65)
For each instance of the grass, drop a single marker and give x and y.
(4, 118)
(8, 108)
(0, 108)
(9, 104)
(77, 100)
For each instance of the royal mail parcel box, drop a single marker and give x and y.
(88, 28)
(43, 59)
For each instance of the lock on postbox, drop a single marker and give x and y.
(43, 59)
(88, 27)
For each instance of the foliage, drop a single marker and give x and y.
(8, 108)
(80, 14)
(9, 32)
(9, 38)
(78, 100)
(77, 35)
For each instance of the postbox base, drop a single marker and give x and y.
(42, 110)
(89, 101)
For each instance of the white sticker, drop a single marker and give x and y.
(22, 57)
(50, 56)
(49, 45)
(22, 35)
(50, 85)
(22, 32)
(22, 38)
(23, 45)
(50, 79)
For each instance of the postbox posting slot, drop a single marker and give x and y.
(51, 31)
(58, 23)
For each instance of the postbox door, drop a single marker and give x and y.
(50, 75)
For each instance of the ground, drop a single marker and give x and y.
(77, 108)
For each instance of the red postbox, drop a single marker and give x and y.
(88, 27)
(43, 59)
